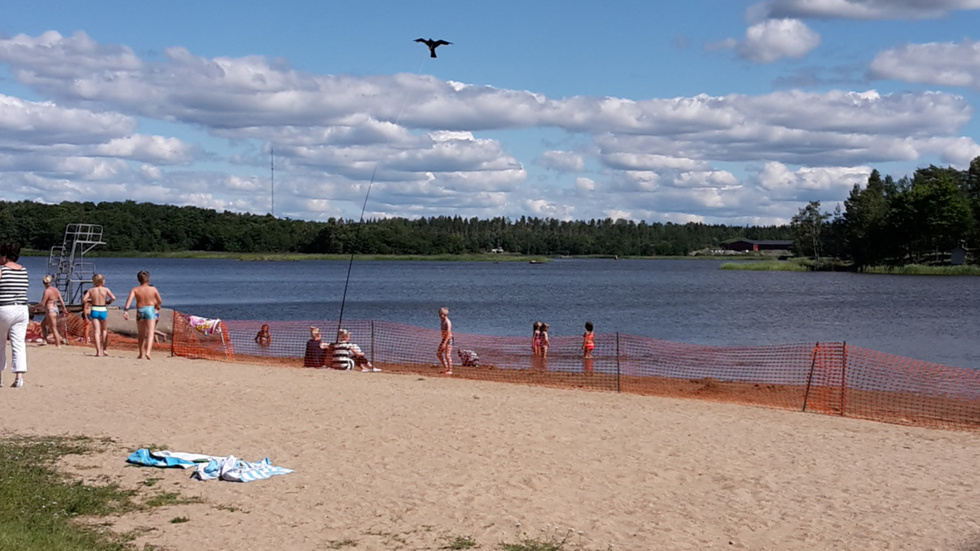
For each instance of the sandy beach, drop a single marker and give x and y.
(386, 461)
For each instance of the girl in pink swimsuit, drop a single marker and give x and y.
(536, 339)
(588, 340)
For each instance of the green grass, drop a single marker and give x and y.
(919, 269)
(460, 542)
(340, 544)
(39, 506)
(529, 544)
(767, 266)
(164, 499)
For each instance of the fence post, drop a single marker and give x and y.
(809, 378)
(843, 377)
(618, 388)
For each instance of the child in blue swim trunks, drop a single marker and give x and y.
(148, 304)
(98, 296)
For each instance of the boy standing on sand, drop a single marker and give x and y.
(97, 298)
(148, 304)
(445, 351)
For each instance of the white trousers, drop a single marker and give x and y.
(13, 323)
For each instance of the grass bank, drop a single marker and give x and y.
(795, 265)
(918, 269)
(40, 508)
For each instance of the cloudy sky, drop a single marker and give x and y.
(722, 111)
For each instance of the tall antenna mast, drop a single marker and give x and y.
(272, 168)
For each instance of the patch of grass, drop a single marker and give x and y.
(526, 543)
(39, 506)
(229, 508)
(460, 542)
(179, 520)
(766, 266)
(340, 544)
(164, 499)
(919, 269)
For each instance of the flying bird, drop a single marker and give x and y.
(432, 44)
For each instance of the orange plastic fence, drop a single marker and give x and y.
(78, 332)
(829, 378)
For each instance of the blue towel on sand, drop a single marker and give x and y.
(147, 458)
(209, 467)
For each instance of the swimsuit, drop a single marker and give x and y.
(589, 342)
(146, 313)
(99, 313)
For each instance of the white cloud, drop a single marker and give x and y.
(805, 182)
(585, 184)
(861, 9)
(775, 39)
(148, 149)
(47, 123)
(944, 64)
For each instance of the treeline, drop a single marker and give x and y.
(915, 220)
(146, 227)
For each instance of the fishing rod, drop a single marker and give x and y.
(360, 223)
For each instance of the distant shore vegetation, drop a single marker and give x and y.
(151, 229)
(906, 226)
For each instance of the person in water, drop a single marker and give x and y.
(263, 338)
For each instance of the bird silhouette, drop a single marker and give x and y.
(432, 44)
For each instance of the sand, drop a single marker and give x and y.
(386, 461)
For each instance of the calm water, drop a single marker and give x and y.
(930, 318)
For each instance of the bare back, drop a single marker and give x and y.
(51, 297)
(98, 295)
(147, 295)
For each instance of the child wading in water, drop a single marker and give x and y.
(98, 297)
(545, 343)
(536, 339)
(588, 341)
(148, 304)
(263, 338)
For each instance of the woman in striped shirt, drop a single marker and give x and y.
(13, 311)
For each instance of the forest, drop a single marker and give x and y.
(916, 219)
(147, 227)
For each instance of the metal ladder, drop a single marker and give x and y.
(67, 265)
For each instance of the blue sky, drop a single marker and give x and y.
(722, 111)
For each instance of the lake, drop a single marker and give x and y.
(931, 318)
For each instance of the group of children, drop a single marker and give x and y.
(540, 342)
(148, 304)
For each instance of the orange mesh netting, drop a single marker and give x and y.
(829, 378)
(79, 331)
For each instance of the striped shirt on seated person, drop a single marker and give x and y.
(347, 355)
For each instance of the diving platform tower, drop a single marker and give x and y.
(67, 264)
